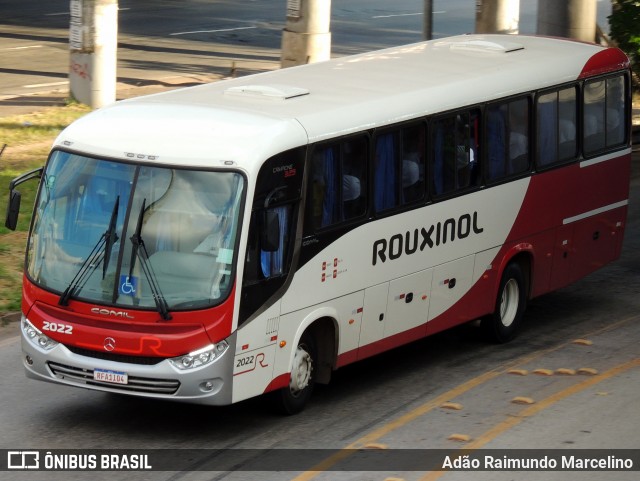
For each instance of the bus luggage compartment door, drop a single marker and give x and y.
(375, 311)
(408, 305)
(451, 281)
(595, 241)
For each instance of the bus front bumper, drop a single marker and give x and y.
(54, 362)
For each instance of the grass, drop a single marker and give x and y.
(28, 139)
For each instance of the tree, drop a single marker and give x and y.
(624, 23)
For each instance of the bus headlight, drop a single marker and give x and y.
(201, 357)
(36, 337)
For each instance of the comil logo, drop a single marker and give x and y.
(23, 460)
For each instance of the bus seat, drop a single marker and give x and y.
(353, 202)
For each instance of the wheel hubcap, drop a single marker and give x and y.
(301, 371)
(509, 302)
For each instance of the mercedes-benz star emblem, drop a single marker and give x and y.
(109, 344)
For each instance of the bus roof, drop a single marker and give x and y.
(244, 121)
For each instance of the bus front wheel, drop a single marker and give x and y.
(293, 398)
(503, 324)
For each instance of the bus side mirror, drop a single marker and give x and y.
(13, 209)
(270, 232)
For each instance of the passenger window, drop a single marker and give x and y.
(615, 112)
(386, 168)
(337, 187)
(399, 168)
(508, 138)
(413, 171)
(594, 116)
(556, 127)
(456, 154)
(604, 114)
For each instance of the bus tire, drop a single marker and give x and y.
(293, 398)
(502, 326)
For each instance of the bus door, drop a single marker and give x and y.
(268, 260)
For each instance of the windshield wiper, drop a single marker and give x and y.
(110, 238)
(147, 268)
(101, 252)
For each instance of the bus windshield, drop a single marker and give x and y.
(122, 234)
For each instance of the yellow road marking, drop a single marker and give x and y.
(534, 409)
(393, 425)
(446, 397)
(413, 414)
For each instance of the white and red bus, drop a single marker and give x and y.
(220, 242)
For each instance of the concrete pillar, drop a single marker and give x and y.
(93, 43)
(568, 18)
(427, 24)
(306, 37)
(497, 16)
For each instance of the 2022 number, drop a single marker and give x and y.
(245, 361)
(56, 327)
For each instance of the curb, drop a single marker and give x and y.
(10, 317)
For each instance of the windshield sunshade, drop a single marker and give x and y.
(93, 217)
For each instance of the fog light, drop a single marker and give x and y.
(28, 360)
(206, 386)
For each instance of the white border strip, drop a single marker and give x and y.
(604, 158)
(593, 212)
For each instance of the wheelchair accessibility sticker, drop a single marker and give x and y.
(128, 285)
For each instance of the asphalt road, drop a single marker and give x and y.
(183, 42)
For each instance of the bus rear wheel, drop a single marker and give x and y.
(293, 398)
(503, 324)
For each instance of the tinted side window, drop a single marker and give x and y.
(455, 152)
(278, 189)
(399, 167)
(337, 183)
(604, 114)
(556, 126)
(507, 138)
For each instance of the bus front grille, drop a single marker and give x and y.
(108, 356)
(134, 383)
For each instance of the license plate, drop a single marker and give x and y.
(114, 377)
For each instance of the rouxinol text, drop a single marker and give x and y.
(419, 239)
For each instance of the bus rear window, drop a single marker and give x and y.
(604, 114)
